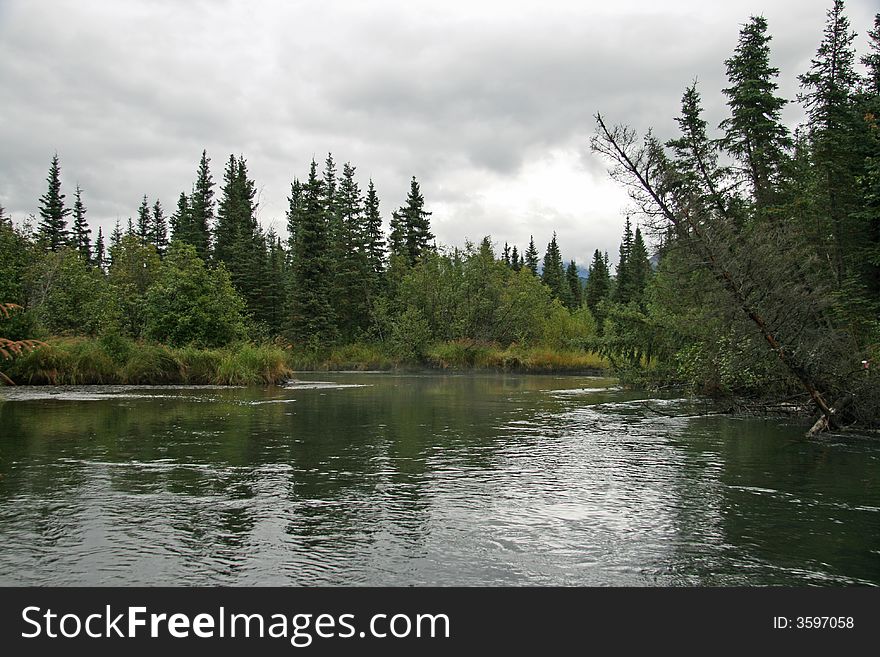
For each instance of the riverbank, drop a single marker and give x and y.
(117, 360)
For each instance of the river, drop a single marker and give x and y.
(387, 479)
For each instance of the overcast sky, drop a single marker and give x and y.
(489, 104)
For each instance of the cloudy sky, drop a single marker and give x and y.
(489, 104)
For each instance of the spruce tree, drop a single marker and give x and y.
(553, 273)
(100, 252)
(52, 230)
(352, 268)
(310, 316)
(144, 222)
(598, 282)
(294, 210)
(505, 255)
(159, 229)
(639, 267)
(375, 238)
(81, 232)
(201, 210)
(531, 256)
(515, 262)
(575, 289)
(181, 220)
(836, 133)
(411, 226)
(754, 133)
(238, 240)
(872, 59)
(623, 286)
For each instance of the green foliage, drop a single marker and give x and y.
(52, 230)
(191, 304)
(411, 227)
(134, 267)
(311, 317)
(67, 294)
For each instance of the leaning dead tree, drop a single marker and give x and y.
(759, 258)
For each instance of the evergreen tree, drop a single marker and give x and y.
(531, 256)
(100, 252)
(115, 236)
(575, 289)
(5, 219)
(238, 240)
(375, 238)
(274, 292)
(515, 262)
(872, 59)
(623, 289)
(81, 232)
(505, 255)
(553, 273)
(52, 230)
(639, 267)
(159, 229)
(411, 227)
(201, 210)
(352, 272)
(181, 220)
(294, 210)
(311, 318)
(598, 284)
(144, 222)
(754, 133)
(836, 132)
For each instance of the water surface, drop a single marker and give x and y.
(383, 479)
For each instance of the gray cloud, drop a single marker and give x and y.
(470, 97)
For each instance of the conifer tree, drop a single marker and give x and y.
(375, 238)
(197, 229)
(144, 222)
(623, 286)
(5, 219)
(411, 227)
(754, 133)
(553, 273)
(294, 210)
(836, 131)
(52, 230)
(515, 262)
(872, 59)
(238, 240)
(310, 316)
(598, 284)
(639, 267)
(274, 293)
(159, 229)
(81, 236)
(181, 220)
(575, 289)
(505, 255)
(100, 252)
(352, 271)
(531, 256)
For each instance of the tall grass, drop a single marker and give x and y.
(74, 361)
(466, 354)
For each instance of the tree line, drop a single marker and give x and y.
(769, 278)
(209, 274)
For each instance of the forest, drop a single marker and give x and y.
(749, 268)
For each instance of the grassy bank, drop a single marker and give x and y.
(116, 360)
(459, 355)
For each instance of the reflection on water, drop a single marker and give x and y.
(423, 479)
